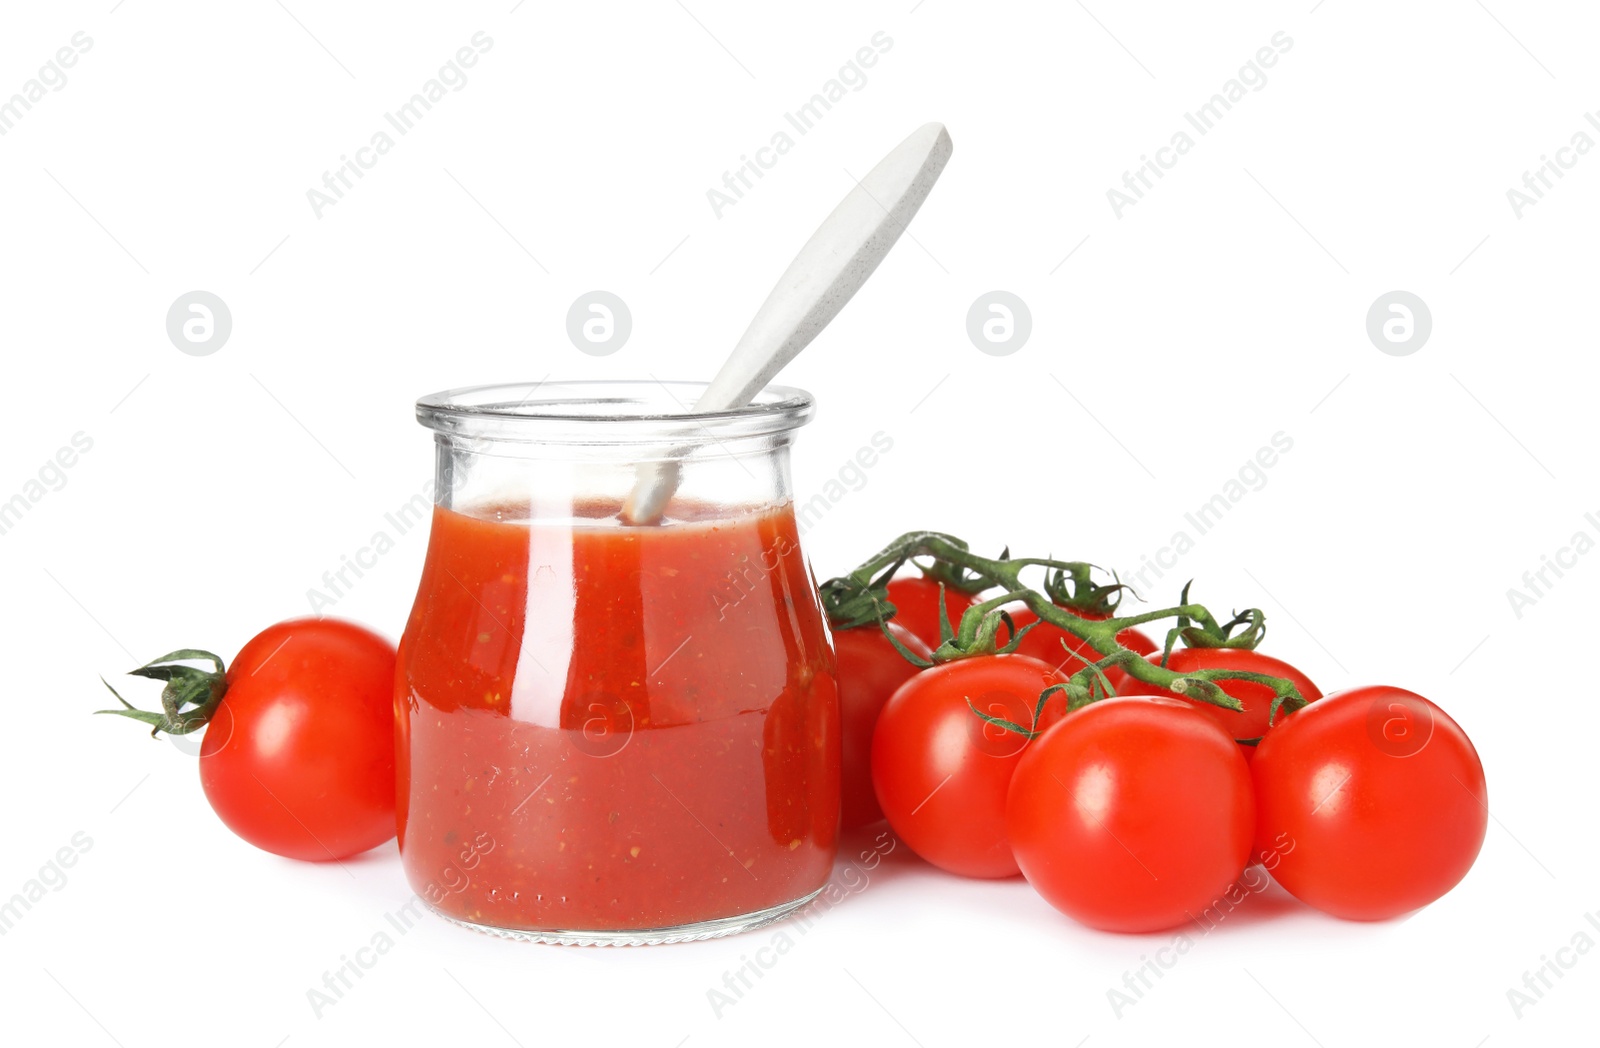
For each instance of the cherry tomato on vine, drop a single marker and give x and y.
(1070, 653)
(299, 759)
(941, 771)
(299, 750)
(1256, 698)
(1369, 803)
(1132, 814)
(870, 669)
(916, 604)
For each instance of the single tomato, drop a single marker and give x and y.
(1369, 803)
(299, 757)
(1132, 814)
(870, 669)
(1068, 652)
(941, 771)
(916, 606)
(1255, 698)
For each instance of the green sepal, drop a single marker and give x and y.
(979, 630)
(958, 578)
(1072, 586)
(1253, 621)
(851, 604)
(188, 700)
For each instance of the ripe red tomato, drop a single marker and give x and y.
(1256, 698)
(941, 771)
(1132, 814)
(869, 671)
(1069, 653)
(916, 606)
(299, 757)
(1369, 803)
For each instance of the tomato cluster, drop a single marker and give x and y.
(1132, 783)
(1031, 731)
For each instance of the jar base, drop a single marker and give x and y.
(716, 929)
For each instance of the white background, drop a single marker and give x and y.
(1167, 345)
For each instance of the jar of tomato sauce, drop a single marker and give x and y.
(615, 732)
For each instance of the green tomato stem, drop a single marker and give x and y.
(1088, 684)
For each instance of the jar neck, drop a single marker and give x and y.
(575, 450)
(565, 484)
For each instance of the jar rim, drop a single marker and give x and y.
(607, 412)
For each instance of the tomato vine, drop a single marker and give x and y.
(860, 599)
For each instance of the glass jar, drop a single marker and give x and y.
(613, 732)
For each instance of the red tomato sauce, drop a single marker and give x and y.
(605, 727)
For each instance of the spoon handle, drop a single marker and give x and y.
(832, 266)
(827, 272)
